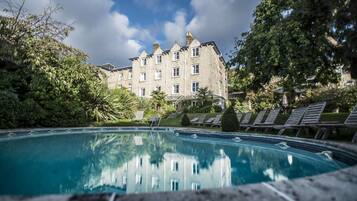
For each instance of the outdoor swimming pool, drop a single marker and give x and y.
(134, 161)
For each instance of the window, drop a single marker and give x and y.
(195, 86)
(142, 76)
(194, 103)
(130, 75)
(174, 185)
(158, 74)
(158, 59)
(142, 92)
(195, 69)
(158, 88)
(175, 72)
(129, 87)
(120, 76)
(125, 180)
(176, 56)
(138, 179)
(195, 168)
(174, 166)
(154, 182)
(196, 186)
(155, 166)
(176, 89)
(139, 162)
(195, 52)
(143, 62)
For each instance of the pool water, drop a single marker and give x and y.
(146, 162)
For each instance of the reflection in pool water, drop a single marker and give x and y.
(146, 162)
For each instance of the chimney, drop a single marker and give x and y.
(155, 46)
(189, 38)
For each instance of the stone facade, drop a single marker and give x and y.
(179, 71)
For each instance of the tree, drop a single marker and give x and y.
(158, 99)
(49, 82)
(288, 40)
(343, 34)
(204, 97)
(229, 120)
(126, 101)
(185, 121)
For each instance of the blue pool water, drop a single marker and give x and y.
(135, 162)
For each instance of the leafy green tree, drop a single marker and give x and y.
(126, 101)
(204, 97)
(49, 82)
(158, 100)
(288, 40)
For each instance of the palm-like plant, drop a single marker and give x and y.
(158, 99)
(204, 97)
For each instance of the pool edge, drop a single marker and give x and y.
(337, 185)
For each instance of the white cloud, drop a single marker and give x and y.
(105, 35)
(175, 31)
(218, 20)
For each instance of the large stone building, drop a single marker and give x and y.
(179, 71)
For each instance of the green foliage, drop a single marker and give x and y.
(126, 103)
(158, 100)
(341, 99)
(168, 109)
(185, 121)
(229, 120)
(217, 109)
(204, 103)
(43, 82)
(242, 106)
(293, 40)
(204, 97)
(264, 98)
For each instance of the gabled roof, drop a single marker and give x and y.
(183, 48)
(112, 68)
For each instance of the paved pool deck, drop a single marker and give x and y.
(334, 186)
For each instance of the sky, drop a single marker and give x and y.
(111, 31)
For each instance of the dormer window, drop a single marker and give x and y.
(176, 56)
(195, 52)
(143, 62)
(158, 59)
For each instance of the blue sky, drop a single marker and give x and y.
(152, 14)
(111, 31)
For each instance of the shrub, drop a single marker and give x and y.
(217, 108)
(340, 99)
(185, 110)
(185, 121)
(125, 102)
(229, 120)
(167, 110)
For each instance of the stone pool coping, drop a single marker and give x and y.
(337, 185)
